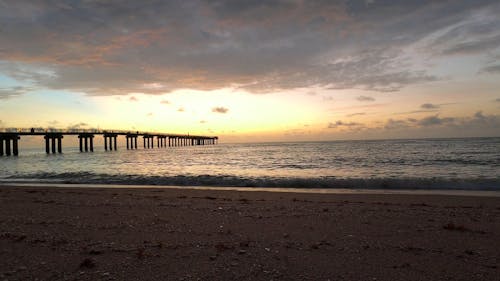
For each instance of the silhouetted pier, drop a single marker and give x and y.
(10, 138)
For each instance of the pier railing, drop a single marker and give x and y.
(38, 131)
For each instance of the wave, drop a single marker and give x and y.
(269, 182)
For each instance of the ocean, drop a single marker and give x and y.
(423, 164)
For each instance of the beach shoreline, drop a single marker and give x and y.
(61, 232)
(450, 192)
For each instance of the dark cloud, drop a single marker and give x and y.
(365, 98)
(476, 125)
(429, 106)
(479, 115)
(492, 69)
(392, 124)
(480, 120)
(476, 121)
(115, 48)
(220, 109)
(435, 120)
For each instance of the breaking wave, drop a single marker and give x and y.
(269, 182)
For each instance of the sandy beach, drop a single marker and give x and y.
(72, 233)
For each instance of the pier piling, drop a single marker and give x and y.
(131, 141)
(86, 141)
(7, 147)
(15, 146)
(112, 141)
(47, 146)
(50, 143)
(53, 145)
(59, 145)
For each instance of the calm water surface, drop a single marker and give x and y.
(389, 164)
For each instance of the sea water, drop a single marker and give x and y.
(466, 164)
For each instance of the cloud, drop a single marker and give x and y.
(392, 124)
(426, 107)
(11, 92)
(119, 48)
(429, 106)
(133, 99)
(356, 114)
(475, 125)
(497, 100)
(474, 47)
(479, 122)
(341, 123)
(374, 70)
(477, 33)
(220, 109)
(365, 98)
(492, 69)
(80, 125)
(435, 120)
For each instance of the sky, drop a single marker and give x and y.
(254, 70)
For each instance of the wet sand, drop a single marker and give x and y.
(71, 233)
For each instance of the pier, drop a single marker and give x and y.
(10, 139)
